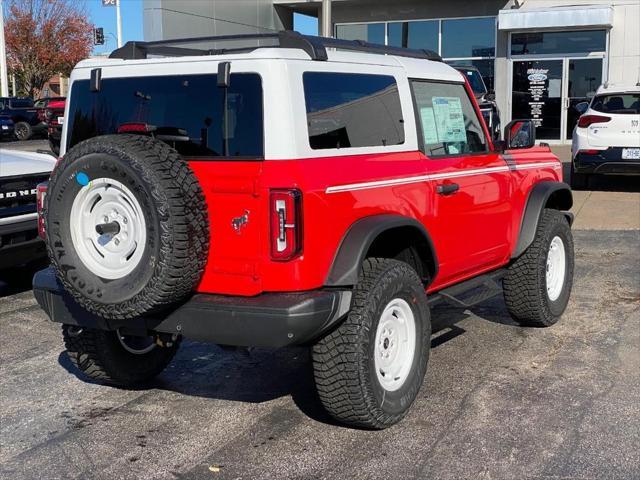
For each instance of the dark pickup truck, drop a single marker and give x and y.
(25, 116)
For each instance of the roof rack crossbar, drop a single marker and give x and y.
(315, 47)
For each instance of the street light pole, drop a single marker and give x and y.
(119, 23)
(4, 83)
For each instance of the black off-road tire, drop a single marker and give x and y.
(22, 131)
(525, 285)
(100, 356)
(343, 361)
(175, 212)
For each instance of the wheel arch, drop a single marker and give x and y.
(372, 236)
(548, 194)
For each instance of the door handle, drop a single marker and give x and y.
(447, 188)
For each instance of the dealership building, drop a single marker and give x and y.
(540, 57)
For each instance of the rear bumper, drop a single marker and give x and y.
(607, 161)
(20, 243)
(6, 132)
(267, 320)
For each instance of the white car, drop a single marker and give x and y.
(606, 139)
(20, 174)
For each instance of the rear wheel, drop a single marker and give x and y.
(538, 284)
(22, 131)
(369, 370)
(115, 358)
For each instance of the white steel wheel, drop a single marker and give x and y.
(395, 344)
(556, 268)
(108, 228)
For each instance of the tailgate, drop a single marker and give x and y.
(235, 225)
(623, 130)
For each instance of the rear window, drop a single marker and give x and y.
(628, 103)
(186, 111)
(347, 110)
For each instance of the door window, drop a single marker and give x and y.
(347, 110)
(448, 122)
(537, 95)
(585, 76)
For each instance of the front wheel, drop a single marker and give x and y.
(22, 131)
(369, 370)
(538, 284)
(114, 358)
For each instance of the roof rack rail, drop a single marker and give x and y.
(315, 47)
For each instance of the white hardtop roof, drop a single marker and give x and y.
(414, 67)
(609, 88)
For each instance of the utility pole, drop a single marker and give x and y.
(4, 84)
(119, 23)
(326, 30)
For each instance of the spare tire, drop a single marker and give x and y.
(127, 226)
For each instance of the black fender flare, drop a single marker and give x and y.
(555, 194)
(359, 238)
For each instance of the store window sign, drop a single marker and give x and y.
(449, 119)
(538, 88)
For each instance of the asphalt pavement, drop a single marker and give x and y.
(499, 401)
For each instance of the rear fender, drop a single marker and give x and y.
(358, 240)
(556, 195)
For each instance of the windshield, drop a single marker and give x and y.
(475, 80)
(185, 111)
(625, 103)
(22, 103)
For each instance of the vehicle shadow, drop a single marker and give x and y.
(259, 375)
(605, 183)
(18, 279)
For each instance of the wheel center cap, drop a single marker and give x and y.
(385, 343)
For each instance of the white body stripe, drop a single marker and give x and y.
(438, 176)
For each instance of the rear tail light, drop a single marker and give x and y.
(136, 128)
(586, 120)
(589, 152)
(41, 192)
(285, 208)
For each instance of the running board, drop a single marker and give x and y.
(470, 292)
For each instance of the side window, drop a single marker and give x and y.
(348, 110)
(448, 122)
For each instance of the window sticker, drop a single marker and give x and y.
(449, 119)
(428, 126)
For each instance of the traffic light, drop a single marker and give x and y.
(98, 36)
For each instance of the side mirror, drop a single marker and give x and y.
(519, 134)
(490, 96)
(581, 107)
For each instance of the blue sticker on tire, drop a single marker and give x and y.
(82, 178)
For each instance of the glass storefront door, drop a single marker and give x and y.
(547, 91)
(537, 94)
(584, 76)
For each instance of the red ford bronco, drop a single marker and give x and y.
(300, 191)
